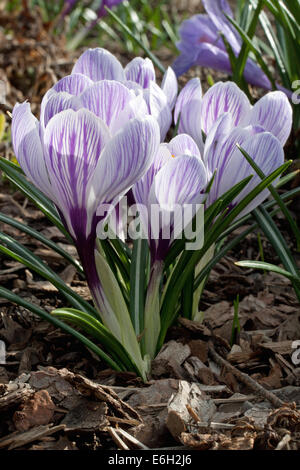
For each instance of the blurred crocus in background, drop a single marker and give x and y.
(201, 43)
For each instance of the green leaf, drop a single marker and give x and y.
(30, 191)
(151, 56)
(188, 261)
(58, 324)
(138, 267)
(96, 329)
(243, 55)
(253, 48)
(18, 252)
(273, 234)
(269, 267)
(38, 236)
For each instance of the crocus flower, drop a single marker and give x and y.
(176, 178)
(138, 75)
(202, 44)
(226, 117)
(88, 149)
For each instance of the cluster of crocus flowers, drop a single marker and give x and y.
(100, 134)
(201, 43)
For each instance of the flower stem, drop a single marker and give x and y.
(152, 309)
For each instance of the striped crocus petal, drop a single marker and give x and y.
(158, 107)
(71, 85)
(188, 110)
(73, 143)
(183, 144)
(215, 143)
(99, 64)
(141, 189)
(179, 182)
(169, 86)
(74, 84)
(125, 159)
(56, 103)
(274, 113)
(106, 99)
(222, 98)
(28, 147)
(266, 151)
(140, 71)
(220, 145)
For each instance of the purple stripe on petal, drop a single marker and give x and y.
(183, 144)
(169, 86)
(73, 84)
(125, 159)
(180, 181)
(158, 107)
(274, 113)
(222, 98)
(188, 106)
(99, 64)
(142, 188)
(28, 147)
(140, 71)
(73, 143)
(107, 99)
(56, 103)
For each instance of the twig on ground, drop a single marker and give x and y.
(255, 386)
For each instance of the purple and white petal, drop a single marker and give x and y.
(125, 159)
(180, 181)
(106, 99)
(73, 84)
(222, 98)
(267, 152)
(158, 107)
(28, 147)
(140, 71)
(142, 188)
(188, 106)
(183, 144)
(56, 103)
(169, 86)
(220, 146)
(216, 142)
(73, 143)
(99, 64)
(274, 113)
(136, 107)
